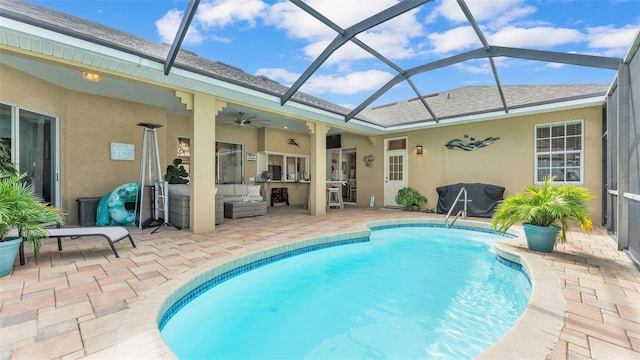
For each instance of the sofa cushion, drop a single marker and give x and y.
(239, 192)
(240, 189)
(226, 189)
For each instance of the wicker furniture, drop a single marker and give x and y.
(179, 210)
(219, 209)
(239, 209)
(240, 192)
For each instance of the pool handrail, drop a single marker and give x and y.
(462, 212)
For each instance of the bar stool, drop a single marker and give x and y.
(352, 190)
(334, 197)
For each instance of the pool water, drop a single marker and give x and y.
(411, 292)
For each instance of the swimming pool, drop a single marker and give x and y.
(369, 298)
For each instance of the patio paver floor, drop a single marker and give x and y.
(71, 304)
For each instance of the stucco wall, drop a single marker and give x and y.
(90, 123)
(508, 162)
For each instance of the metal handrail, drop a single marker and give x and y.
(463, 211)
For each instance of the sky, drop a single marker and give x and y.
(279, 40)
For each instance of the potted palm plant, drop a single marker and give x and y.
(410, 198)
(177, 177)
(546, 211)
(22, 210)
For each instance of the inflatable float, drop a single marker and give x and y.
(111, 208)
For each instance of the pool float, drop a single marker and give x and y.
(111, 209)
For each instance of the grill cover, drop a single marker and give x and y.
(483, 199)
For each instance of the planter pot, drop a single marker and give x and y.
(541, 238)
(8, 252)
(179, 189)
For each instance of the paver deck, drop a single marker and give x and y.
(71, 305)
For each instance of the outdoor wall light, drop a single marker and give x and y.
(419, 149)
(91, 76)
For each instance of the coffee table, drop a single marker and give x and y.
(240, 209)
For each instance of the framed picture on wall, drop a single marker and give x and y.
(184, 149)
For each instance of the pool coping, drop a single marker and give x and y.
(138, 335)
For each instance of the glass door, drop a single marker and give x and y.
(33, 140)
(395, 164)
(341, 166)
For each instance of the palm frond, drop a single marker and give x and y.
(546, 204)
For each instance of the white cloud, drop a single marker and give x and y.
(460, 38)
(168, 25)
(535, 37)
(495, 12)
(220, 13)
(613, 41)
(282, 76)
(503, 22)
(483, 66)
(351, 83)
(392, 39)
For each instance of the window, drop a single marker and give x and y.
(229, 165)
(559, 151)
(282, 167)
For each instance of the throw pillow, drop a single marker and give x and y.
(253, 190)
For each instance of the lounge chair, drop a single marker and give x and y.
(113, 234)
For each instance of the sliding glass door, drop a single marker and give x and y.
(33, 139)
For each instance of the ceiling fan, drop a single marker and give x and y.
(242, 120)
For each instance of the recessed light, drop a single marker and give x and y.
(91, 76)
(286, 127)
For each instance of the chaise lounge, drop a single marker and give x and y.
(113, 234)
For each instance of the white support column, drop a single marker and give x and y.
(318, 186)
(202, 165)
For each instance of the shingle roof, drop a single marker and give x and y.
(472, 100)
(449, 104)
(83, 29)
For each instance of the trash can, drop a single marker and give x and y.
(87, 209)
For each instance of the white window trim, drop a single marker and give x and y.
(263, 163)
(582, 152)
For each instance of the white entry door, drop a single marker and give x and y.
(395, 173)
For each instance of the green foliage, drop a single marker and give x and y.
(544, 205)
(176, 173)
(409, 197)
(23, 209)
(7, 168)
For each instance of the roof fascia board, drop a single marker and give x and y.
(61, 31)
(21, 29)
(187, 80)
(498, 115)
